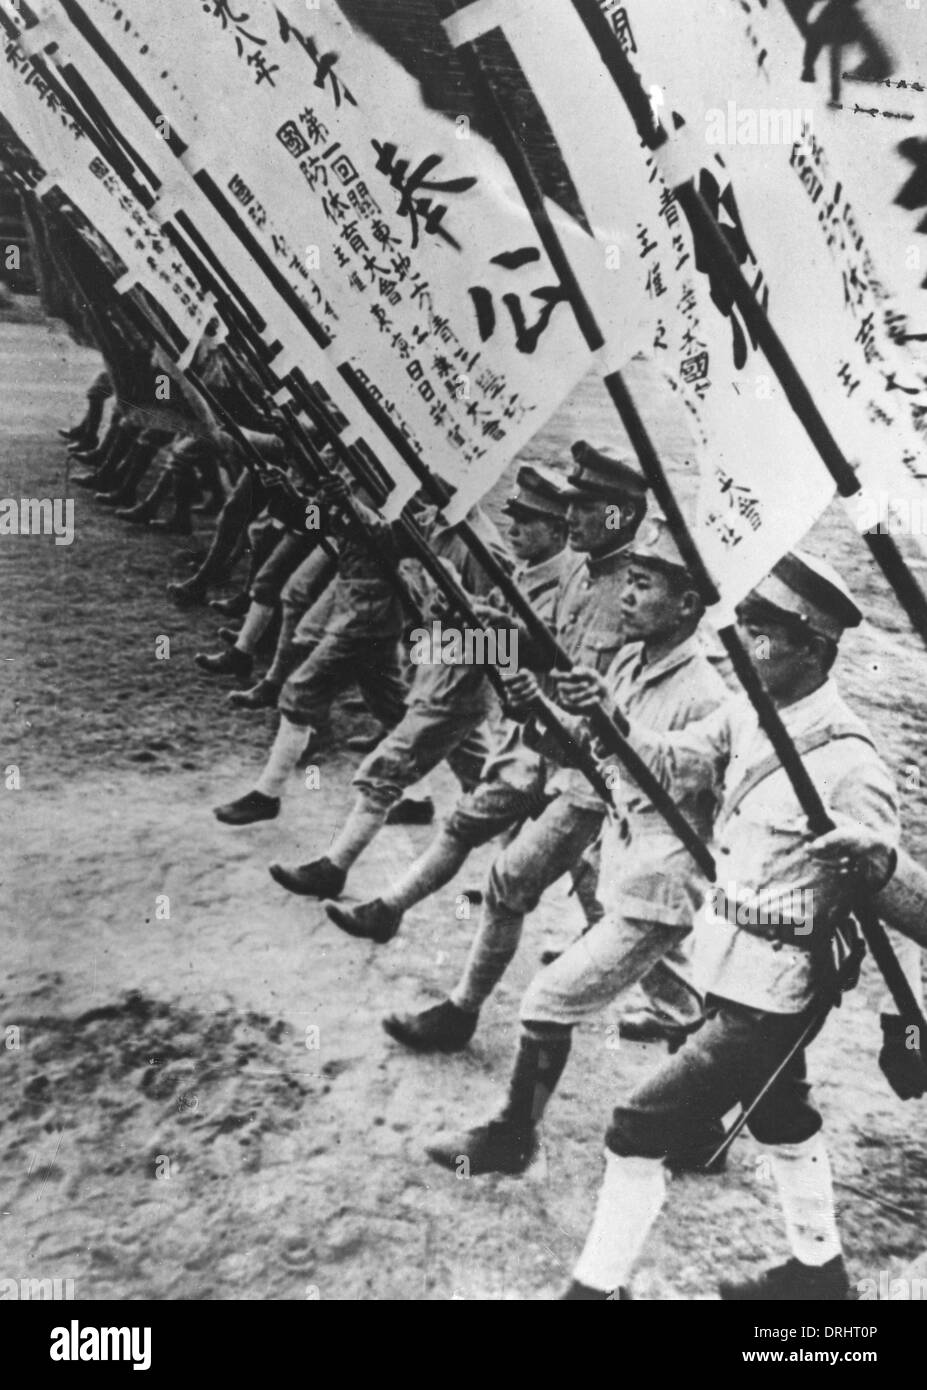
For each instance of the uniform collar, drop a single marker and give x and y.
(598, 565)
(551, 568)
(818, 707)
(680, 655)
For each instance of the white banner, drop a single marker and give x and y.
(732, 69)
(753, 485)
(396, 232)
(72, 163)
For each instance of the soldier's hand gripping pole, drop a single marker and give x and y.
(457, 598)
(604, 729)
(654, 136)
(882, 546)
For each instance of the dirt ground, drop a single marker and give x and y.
(169, 1128)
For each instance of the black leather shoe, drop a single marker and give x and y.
(186, 593)
(139, 514)
(234, 607)
(442, 1028)
(172, 525)
(264, 695)
(496, 1147)
(410, 811)
(229, 635)
(85, 479)
(248, 809)
(792, 1282)
(319, 879)
(583, 1293)
(577, 1292)
(373, 921)
(645, 1026)
(231, 662)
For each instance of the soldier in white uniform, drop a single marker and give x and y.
(650, 886)
(512, 785)
(607, 502)
(763, 960)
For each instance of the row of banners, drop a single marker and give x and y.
(383, 247)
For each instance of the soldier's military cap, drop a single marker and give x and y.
(654, 545)
(539, 492)
(811, 590)
(599, 474)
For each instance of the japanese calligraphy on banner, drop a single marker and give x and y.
(403, 250)
(792, 213)
(865, 82)
(758, 485)
(168, 189)
(71, 162)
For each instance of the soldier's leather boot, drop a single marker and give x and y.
(249, 809)
(231, 662)
(264, 695)
(177, 524)
(104, 459)
(186, 592)
(508, 1142)
(792, 1282)
(575, 1292)
(234, 607)
(318, 879)
(442, 1028)
(88, 480)
(147, 509)
(374, 921)
(495, 1147)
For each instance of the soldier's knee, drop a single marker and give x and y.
(792, 1127)
(633, 1134)
(505, 893)
(542, 1006)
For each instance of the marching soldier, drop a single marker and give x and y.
(607, 502)
(763, 965)
(512, 785)
(446, 706)
(359, 645)
(649, 884)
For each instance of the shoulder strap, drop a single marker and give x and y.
(804, 744)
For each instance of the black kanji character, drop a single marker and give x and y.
(324, 63)
(408, 185)
(724, 209)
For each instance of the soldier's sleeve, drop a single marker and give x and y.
(865, 792)
(691, 760)
(544, 742)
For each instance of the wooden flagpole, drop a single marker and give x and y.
(882, 546)
(652, 468)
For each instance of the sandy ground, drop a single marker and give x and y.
(205, 1106)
